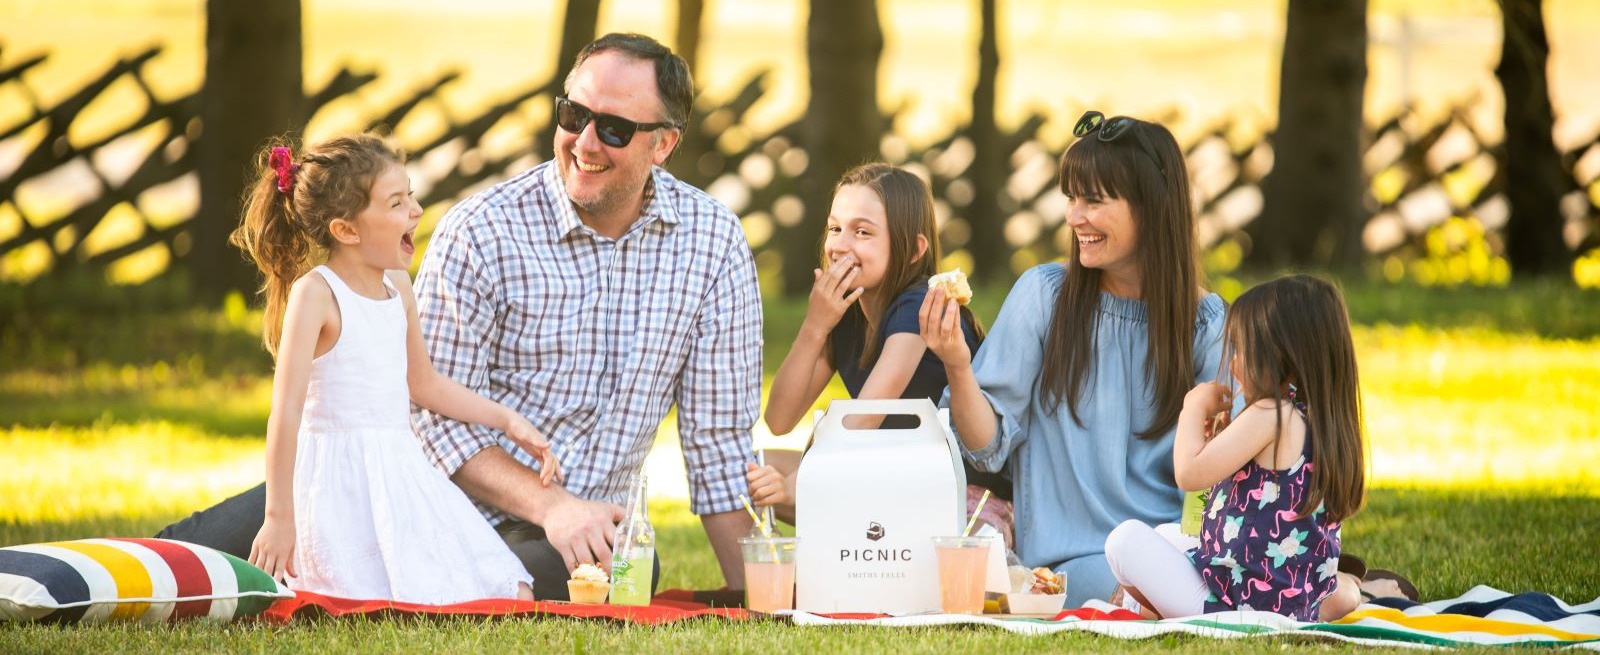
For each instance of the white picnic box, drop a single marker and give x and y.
(868, 503)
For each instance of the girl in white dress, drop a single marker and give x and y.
(354, 509)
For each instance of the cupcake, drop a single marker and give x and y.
(589, 584)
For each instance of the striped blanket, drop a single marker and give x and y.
(1483, 616)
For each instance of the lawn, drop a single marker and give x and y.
(1482, 430)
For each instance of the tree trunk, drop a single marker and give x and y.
(1315, 197)
(1534, 178)
(991, 254)
(688, 46)
(578, 25)
(842, 125)
(253, 90)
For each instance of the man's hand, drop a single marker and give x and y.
(581, 530)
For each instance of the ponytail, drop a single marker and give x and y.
(273, 239)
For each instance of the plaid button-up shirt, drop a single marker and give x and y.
(594, 339)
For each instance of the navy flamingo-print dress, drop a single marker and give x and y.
(1256, 553)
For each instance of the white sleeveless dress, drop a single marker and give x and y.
(373, 519)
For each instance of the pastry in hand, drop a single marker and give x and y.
(953, 284)
(589, 584)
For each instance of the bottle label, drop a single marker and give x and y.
(1194, 510)
(631, 576)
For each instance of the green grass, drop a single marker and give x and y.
(1480, 410)
(390, 634)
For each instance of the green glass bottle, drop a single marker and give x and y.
(633, 552)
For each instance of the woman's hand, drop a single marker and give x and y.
(832, 294)
(273, 549)
(530, 439)
(1206, 400)
(768, 487)
(940, 319)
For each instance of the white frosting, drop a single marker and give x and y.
(590, 572)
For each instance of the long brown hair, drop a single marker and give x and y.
(1163, 215)
(286, 232)
(908, 209)
(1296, 330)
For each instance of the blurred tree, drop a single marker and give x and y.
(578, 27)
(1535, 179)
(1315, 197)
(253, 90)
(842, 126)
(986, 217)
(688, 45)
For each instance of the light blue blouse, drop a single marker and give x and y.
(1074, 484)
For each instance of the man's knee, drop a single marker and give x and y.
(543, 562)
(229, 526)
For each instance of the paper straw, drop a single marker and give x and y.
(765, 532)
(974, 520)
(762, 526)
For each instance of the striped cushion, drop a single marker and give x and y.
(148, 580)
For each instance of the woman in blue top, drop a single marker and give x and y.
(1078, 388)
(880, 248)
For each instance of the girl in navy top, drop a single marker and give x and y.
(880, 248)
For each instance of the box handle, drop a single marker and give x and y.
(922, 408)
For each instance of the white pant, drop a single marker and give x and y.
(1153, 562)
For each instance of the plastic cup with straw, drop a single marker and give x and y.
(961, 569)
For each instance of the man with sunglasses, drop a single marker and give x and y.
(591, 294)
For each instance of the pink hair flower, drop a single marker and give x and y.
(283, 163)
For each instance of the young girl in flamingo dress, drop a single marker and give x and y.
(354, 509)
(1284, 474)
(862, 322)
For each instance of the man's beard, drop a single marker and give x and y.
(606, 200)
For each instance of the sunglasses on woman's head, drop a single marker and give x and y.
(1111, 131)
(614, 131)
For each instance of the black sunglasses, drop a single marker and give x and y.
(614, 131)
(1112, 130)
